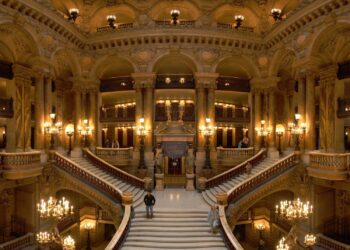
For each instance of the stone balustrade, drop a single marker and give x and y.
(20, 165)
(328, 243)
(122, 230)
(237, 170)
(330, 166)
(231, 241)
(77, 171)
(255, 181)
(19, 243)
(115, 156)
(233, 155)
(114, 171)
(66, 223)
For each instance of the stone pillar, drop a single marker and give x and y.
(257, 115)
(211, 109)
(149, 114)
(301, 97)
(250, 113)
(138, 86)
(98, 123)
(272, 115)
(22, 106)
(77, 116)
(310, 111)
(328, 76)
(93, 116)
(48, 98)
(201, 115)
(39, 110)
(58, 102)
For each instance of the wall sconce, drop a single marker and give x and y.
(73, 14)
(263, 132)
(175, 14)
(297, 130)
(111, 19)
(239, 20)
(276, 14)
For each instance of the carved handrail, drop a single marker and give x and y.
(18, 243)
(256, 180)
(12, 160)
(105, 166)
(122, 231)
(119, 153)
(237, 170)
(329, 243)
(230, 241)
(65, 223)
(330, 161)
(229, 153)
(75, 170)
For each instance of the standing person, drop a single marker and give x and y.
(213, 218)
(245, 142)
(149, 202)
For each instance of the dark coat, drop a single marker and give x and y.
(149, 200)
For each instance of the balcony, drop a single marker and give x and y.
(20, 165)
(329, 166)
(117, 114)
(6, 108)
(122, 26)
(229, 114)
(343, 108)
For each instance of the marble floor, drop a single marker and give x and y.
(178, 199)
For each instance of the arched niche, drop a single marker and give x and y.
(174, 63)
(161, 10)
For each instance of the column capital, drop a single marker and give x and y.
(329, 72)
(21, 72)
(206, 79)
(144, 79)
(264, 83)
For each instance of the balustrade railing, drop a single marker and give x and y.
(114, 154)
(253, 182)
(237, 170)
(105, 166)
(19, 243)
(65, 223)
(335, 166)
(181, 24)
(234, 153)
(329, 243)
(6, 108)
(20, 164)
(122, 231)
(231, 27)
(75, 170)
(121, 26)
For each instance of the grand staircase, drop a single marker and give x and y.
(172, 229)
(209, 195)
(114, 181)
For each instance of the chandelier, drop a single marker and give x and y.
(294, 209)
(282, 245)
(45, 237)
(68, 243)
(310, 240)
(54, 208)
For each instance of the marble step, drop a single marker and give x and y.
(167, 245)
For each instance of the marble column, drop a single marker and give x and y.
(139, 106)
(39, 110)
(250, 114)
(301, 97)
(257, 115)
(22, 106)
(92, 116)
(149, 114)
(310, 110)
(201, 115)
(272, 116)
(48, 98)
(98, 128)
(211, 109)
(77, 116)
(328, 76)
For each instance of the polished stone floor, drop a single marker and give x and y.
(178, 199)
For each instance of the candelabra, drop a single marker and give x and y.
(68, 243)
(279, 133)
(45, 238)
(260, 227)
(276, 14)
(297, 130)
(175, 14)
(263, 132)
(70, 132)
(52, 128)
(141, 131)
(207, 131)
(88, 227)
(54, 208)
(85, 131)
(73, 14)
(111, 19)
(295, 211)
(239, 20)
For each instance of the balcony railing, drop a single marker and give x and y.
(233, 156)
(19, 243)
(231, 115)
(181, 24)
(328, 243)
(330, 166)
(120, 174)
(20, 165)
(112, 114)
(231, 27)
(121, 26)
(6, 108)
(115, 156)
